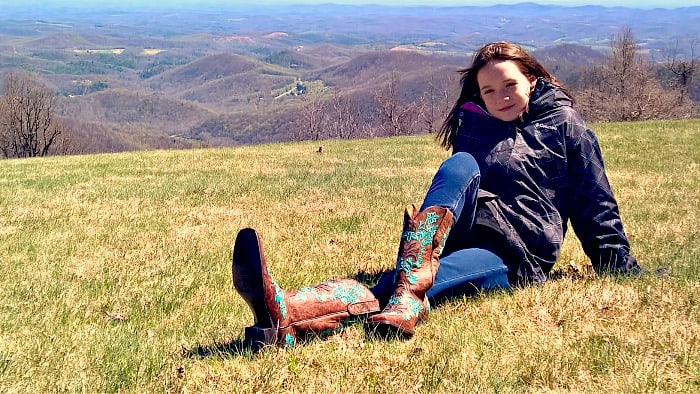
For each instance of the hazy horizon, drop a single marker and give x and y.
(197, 3)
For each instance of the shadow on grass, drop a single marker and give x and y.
(383, 288)
(373, 278)
(382, 283)
(235, 348)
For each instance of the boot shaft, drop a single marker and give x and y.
(422, 241)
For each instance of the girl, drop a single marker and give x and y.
(524, 164)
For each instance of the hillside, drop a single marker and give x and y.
(180, 70)
(314, 57)
(124, 107)
(115, 274)
(204, 70)
(371, 69)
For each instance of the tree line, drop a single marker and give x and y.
(628, 87)
(625, 86)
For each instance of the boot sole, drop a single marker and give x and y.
(247, 270)
(387, 331)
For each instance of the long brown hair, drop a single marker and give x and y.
(500, 50)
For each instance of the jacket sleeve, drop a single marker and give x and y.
(593, 210)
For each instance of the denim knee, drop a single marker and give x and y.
(459, 168)
(455, 183)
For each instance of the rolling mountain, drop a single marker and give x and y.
(220, 74)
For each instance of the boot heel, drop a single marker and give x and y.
(257, 337)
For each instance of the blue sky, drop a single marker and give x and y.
(194, 3)
(627, 3)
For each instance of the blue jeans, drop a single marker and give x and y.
(462, 271)
(455, 186)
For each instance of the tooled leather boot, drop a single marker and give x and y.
(422, 241)
(282, 317)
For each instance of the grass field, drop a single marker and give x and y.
(115, 274)
(114, 51)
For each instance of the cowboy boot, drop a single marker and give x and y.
(422, 240)
(282, 317)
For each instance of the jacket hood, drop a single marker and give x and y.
(546, 97)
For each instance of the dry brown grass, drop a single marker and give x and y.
(116, 274)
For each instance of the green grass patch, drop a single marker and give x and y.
(115, 274)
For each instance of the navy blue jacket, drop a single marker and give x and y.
(537, 174)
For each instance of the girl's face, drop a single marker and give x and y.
(505, 89)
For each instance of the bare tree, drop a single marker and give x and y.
(624, 88)
(396, 117)
(310, 124)
(684, 70)
(437, 100)
(344, 117)
(625, 61)
(28, 124)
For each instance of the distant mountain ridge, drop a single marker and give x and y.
(531, 23)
